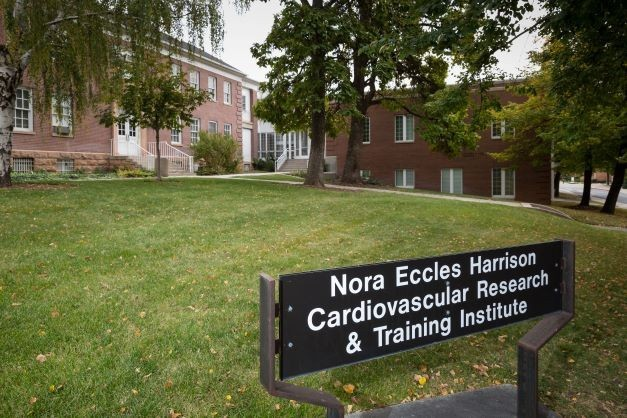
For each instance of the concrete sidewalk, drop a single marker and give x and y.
(492, 402)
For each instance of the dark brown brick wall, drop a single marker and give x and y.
(383, 156)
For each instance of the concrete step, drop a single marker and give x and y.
(294, 165)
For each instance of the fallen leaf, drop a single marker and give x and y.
(54, 313)
(452, 372)
(349, 388)
(423, 368)
(32, 400)
(138, 332)
(122, 409)
(482, 369)
(142, 314)
(228, 397)
(277, 406)
(571, 360)
(337, 384)
(502, 338)
(41, 358)
(51, 388)
(174, 414)
(349, 408)
(134, 392)
(168, 384)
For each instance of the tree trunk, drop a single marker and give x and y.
(617, 183)
(587, 185)
(315, 170)
(350, 174)
(556, 184)
(10, 78)
(158, 165)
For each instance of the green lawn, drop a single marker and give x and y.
(272, 177)
(143, 297)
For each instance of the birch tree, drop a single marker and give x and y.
(72, 49)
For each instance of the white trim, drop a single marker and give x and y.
(227, 92)
(29, 109)
(197, 74)
(198, 126)
(209, 129)
(502, 178)
(405, 184)
(215, 68)
(215, 88)
(451, 185)
(230, 129)
(406, 134)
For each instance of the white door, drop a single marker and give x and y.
(298, 145)
(128, 139)
(247, 145)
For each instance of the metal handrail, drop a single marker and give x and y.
(142, 157)
(281, 160)
(175, 156)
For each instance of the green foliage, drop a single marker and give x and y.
(216, 154)
(75, 48)
(46, 177)
(153, 97)
(134, 173)
(264, 164)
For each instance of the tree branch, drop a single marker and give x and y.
(60, 18)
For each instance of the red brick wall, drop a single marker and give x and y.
(383, 156)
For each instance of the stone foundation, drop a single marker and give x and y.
(83, 161)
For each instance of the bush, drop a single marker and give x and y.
(134, 173)
(216, 154)
(263, 165)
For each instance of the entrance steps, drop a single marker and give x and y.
(292, 165)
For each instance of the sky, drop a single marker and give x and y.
(243, 30)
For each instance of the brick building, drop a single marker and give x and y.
(56, 141)
(392, 153)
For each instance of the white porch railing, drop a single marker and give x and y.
(281, 160)
(177, 158)
(142, 157)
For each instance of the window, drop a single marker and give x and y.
(227, 129)
(503, 182)
(244, 103)
(404, 128)
(23, 117)
(499, 128)
(365, 174)
(194, 129)
(212, 84)
(270, 145)
(61, 117)
(452, 180)
(366, 139)
(194, 79)
(176, 69)
(65, 165)
(404, 178)
(213, 127)
(175, 136)
(23, 165)
(227, 92)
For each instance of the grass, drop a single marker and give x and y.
(592, 215)
(142, 297)
(272, 177)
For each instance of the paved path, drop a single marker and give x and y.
(598, 192)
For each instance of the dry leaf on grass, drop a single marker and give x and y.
(482, 369)
(349, 388)
(41, 358)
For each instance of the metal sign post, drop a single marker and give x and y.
(348, 315)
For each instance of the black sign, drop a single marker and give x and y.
(330, 318)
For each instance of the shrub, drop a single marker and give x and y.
(134, 173)
(216, 154)
(263, 164)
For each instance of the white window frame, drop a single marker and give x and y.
(366, 138)
(502, 127)
(406, 175)
(176, 137)
(62, 121)
(365, 174)
(228, 96)
(194, 130)
(407, 135)
(19, 99)
(502, 175)
(212, 88)
(451, 185)
(228, 131)
(194, 79)
(176, 69)
(210, 124)
(245, 103)
(65, 165)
